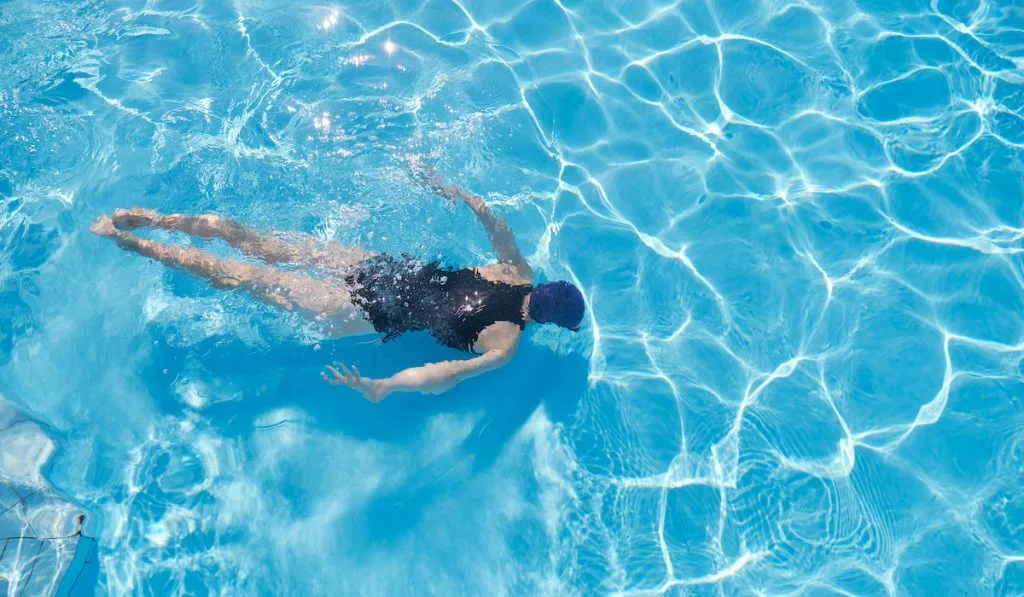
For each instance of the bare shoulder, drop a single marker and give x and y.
(503, 272)
(502, 336)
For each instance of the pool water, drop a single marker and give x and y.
(798, 226)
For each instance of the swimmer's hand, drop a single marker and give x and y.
(425, 175)
(371, 389)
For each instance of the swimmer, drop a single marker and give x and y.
(481, 310)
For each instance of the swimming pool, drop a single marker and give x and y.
(798, 226)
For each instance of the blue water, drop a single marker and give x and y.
(798, 225)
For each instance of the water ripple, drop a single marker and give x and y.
(797, 225)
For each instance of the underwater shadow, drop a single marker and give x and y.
(285, 377)
(505, 400)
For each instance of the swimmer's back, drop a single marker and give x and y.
(453, 305)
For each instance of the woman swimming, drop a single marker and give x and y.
(480, 310)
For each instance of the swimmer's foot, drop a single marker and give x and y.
(130, 219)
(103, 226)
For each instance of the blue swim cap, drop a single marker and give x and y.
(557, 302)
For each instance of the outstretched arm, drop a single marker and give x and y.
(497, 229)
(432, 378)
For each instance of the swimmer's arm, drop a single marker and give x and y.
(499, 232)
(436, 378)
(432, 378)
(497, 229)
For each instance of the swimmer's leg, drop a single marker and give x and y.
(263, 246)
(305, 250)
(286, 290)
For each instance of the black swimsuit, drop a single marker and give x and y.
(454, 305)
